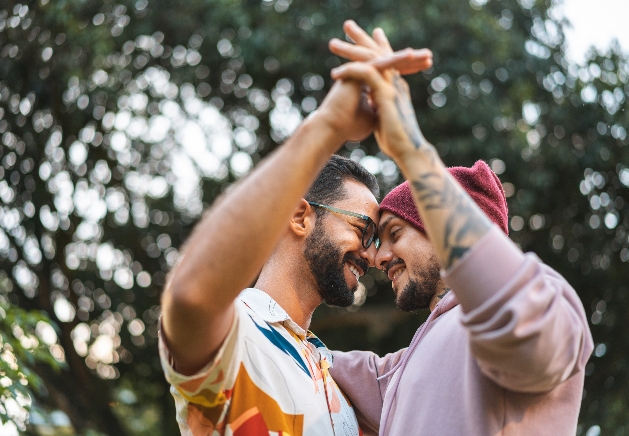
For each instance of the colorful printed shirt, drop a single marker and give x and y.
(270, 377)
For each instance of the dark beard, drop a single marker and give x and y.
(418, 293)
(326, 265)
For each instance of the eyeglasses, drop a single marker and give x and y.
(369, 231)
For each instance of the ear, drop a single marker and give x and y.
(303, 219)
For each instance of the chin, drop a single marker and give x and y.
(339, 297)
(339, 302)
(414, 296)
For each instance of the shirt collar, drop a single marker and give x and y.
(268, 309)
(448, 302)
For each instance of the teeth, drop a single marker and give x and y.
(398, 272)
(354, 271)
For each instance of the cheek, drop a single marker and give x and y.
(424, 264)
(351, 239)
(414, 256)
(344, 238)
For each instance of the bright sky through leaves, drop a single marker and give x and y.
(594, 23)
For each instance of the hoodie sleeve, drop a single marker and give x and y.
(527, 327)
(356, 373)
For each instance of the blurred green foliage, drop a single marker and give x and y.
(26, 339)
(120, 121)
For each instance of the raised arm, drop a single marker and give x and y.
(236, 236)
(527, 327)
(454, 223)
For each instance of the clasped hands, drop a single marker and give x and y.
(377, 52)
(383, 103)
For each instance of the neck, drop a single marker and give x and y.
(438, 297)
(293, 288)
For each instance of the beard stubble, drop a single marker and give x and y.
(421, 288)
(326, 263)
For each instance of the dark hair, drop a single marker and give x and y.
(328, 187)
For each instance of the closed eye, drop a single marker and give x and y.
(359, 229)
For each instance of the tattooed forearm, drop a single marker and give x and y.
(432, 192)
(407, 113)
(455, 222)
(464, 222)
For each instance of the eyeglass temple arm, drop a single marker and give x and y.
(341, 211)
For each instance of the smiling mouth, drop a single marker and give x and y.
(397, 273)
(354, 271)
(395, 269)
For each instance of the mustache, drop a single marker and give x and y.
(359, 262)
(393, 263)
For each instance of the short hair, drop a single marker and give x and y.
(328, 186)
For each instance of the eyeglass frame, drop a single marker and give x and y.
(374, 239)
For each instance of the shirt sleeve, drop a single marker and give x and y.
(206, 388)
(356, 373)
(527, 326)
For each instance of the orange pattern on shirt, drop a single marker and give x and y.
(251, 412)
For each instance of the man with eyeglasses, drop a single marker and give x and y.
(244, 362)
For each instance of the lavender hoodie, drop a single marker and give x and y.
(503, 354)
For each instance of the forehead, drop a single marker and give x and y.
(359, 199)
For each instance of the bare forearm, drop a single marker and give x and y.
(229, 246)
(231, 243)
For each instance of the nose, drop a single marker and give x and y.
(369, 254)
(383, 257)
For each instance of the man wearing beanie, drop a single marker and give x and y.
(504, 348)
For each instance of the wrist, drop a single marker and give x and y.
(326, 127)
(317, 135)
(415, 160)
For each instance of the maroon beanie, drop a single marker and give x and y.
(480, 182)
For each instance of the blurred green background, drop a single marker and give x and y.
(120, 121)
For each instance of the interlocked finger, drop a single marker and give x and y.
(351, 52)
(359, 36)
(377, 51)
(381, 39)
(407, 61)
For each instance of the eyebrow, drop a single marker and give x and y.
(383, 225)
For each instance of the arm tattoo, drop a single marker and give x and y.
(443, 294)
(436, 190)
(407, 113)
(464, 222)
